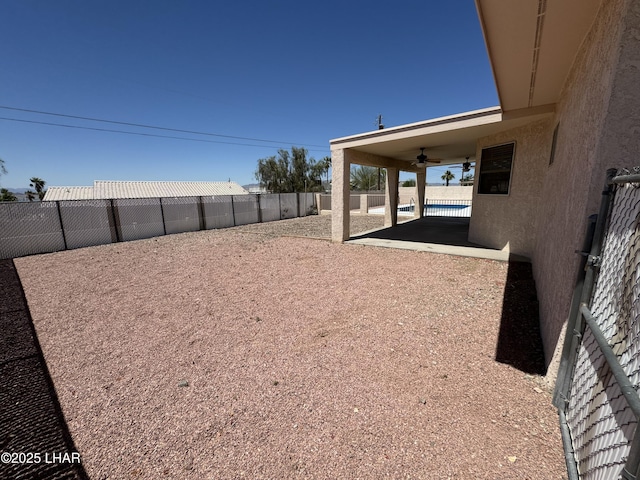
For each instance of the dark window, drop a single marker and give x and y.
(495, 169)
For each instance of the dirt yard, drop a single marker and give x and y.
(241, 353)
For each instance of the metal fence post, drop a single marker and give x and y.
(203, 220)
(64, 237)
(233, 211)
(115, 218)
(259, 208)
(164, 226)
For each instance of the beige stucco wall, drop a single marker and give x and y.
(507, 221)
(599, 115)
(452, 192)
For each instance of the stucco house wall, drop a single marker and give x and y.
(507, 221)
(598, 115)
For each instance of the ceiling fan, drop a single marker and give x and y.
(422, 160)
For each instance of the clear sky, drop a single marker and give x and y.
(290, 72)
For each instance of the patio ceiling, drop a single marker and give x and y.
(532, 45)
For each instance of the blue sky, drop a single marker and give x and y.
(291, 72)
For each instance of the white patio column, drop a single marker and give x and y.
(391, 197)
(340, 194)
(421, 180)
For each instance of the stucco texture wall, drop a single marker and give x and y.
(599, 122)
(506, 221)
(452, 192)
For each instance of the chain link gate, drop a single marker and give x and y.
(599, 376)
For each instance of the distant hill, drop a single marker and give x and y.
(19, 193)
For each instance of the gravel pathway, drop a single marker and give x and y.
(230, 354)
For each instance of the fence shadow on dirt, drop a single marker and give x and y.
(519, 341)
(31, 420)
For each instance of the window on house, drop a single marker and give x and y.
(495, 169)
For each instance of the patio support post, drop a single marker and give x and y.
(421, 181)
(340, 195)
(391, 197)
(364, 203)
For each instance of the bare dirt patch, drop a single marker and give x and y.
(227, 354)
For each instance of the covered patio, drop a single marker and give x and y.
(450, 140)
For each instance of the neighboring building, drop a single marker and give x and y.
(254, 188)
(568, 81)
(103, 189)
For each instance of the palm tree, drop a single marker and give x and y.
(365, 178)
(326, 165)
(448, 176)
(3, 171)
(38, 184)
(31, 195)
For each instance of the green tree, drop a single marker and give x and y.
(289, 172)
(409, 183)
(31, 195)
(324, 165)
(364, 178)
(448, 176)
(7, 196)
(38, 184)
(468, 177)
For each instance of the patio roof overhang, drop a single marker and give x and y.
(532, 45)
(451, 138)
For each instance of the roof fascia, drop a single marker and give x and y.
(441, 124)
(486, 44)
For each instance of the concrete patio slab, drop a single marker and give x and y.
(444, 235)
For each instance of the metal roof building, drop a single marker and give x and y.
(106, 189)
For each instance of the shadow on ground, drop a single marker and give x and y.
(31, 420)
(439, 230)
(519, 340)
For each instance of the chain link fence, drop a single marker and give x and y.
(599, 376)
(43, 227)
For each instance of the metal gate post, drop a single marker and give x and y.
(563, 381)
(576, 324)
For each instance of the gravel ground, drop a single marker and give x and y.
(229, 354)
(317, 226)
